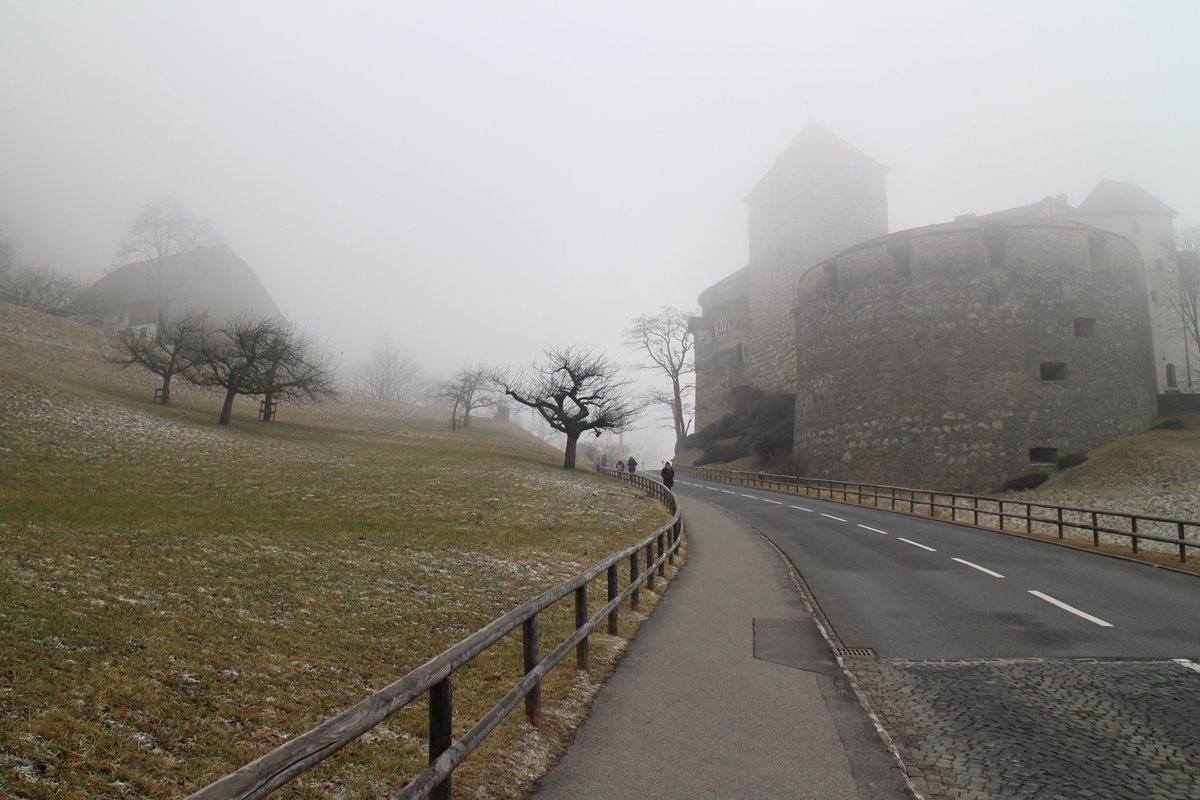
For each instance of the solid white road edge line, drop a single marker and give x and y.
(868, 527)
(801, 508)
(976, 566)
(1072, 609)
(831, 516)
(915, 544)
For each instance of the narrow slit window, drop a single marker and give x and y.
(1043, 455)
(1085, 327)
(902, 259)
(995, 238)
(1053, 371)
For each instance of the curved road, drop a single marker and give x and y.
(1003, 667)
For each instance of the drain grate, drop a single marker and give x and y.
(856, 652)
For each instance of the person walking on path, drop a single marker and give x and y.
(668, 475)
(632, 465)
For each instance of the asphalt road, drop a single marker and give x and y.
(913, 588)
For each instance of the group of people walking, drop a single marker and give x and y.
(667, 472)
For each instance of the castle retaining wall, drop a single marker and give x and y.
(961, 355)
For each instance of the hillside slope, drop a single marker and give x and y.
(178, 597)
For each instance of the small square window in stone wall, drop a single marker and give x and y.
(1053, 371)
(1043, 455)
(1085, 327)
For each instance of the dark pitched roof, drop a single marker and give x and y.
(1046, 207)
(817, 145)
(213, 278)
(1118, 196)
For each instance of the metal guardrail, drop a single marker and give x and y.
(435, 678)
(978, 510)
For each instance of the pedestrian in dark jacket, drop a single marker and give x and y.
(631, 464)
(668, 475)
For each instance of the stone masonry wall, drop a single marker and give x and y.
(793, 225)
(920, 356)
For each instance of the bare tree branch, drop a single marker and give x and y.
(574, 391)
(666, 340)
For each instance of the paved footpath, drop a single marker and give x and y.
(728, 691)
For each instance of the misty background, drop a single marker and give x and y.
(478, 181)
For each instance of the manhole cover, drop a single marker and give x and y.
(856, 652)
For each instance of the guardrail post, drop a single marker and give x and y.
(441, 729)
(633, 578)
(1095, 531)
(1133, 533)
(530, 647)
(1028, 518)
(1182, 544)
(581, 615)
(662, 565)
(1060, 522)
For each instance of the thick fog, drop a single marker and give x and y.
(479, 180)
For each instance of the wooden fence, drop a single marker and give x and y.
(994, 513)
(435, 678)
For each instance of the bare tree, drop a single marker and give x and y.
(43, 288)
(162, 229)
(574, 391)
(667, 341)
(468, 390)
(173, 349)
(387, 374)
(261, 356)
(293, 368)
(1182, 290)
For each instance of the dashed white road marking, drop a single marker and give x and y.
(1072, 609)
(712, 488)
(773, 502)
(801, 508)
(868, 527)
(976, 566)
(751, 496)
(915, 544)
(1187, 662)
(831, 516)
(726, 491)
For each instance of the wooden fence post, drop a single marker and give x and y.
(650, 566)
(531, 644)
(581, 615)
(612, 594)
(441, 729)
(634, 558)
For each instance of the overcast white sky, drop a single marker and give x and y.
(479, 180)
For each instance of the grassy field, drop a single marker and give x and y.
(178, 598)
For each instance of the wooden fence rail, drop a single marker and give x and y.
(984, 512)
(278, 767)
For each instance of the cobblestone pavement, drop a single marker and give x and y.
(1051, 730)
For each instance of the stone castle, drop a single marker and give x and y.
(952, 356)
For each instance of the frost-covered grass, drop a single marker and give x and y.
(177, 598)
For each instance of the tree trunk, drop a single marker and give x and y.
(166, 389)
(569, 451)
(677, 413)
(227, 408)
